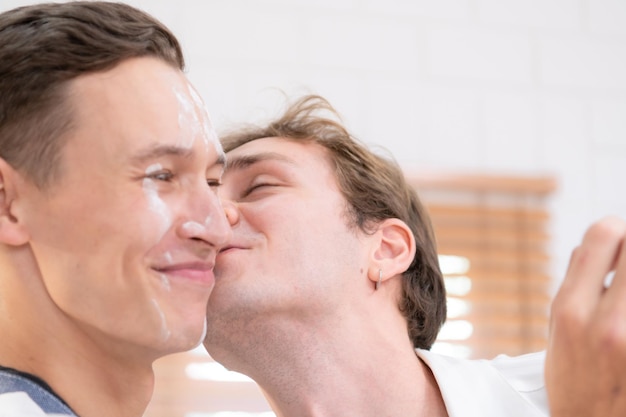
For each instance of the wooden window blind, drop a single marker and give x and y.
(492, 234)
(498, 227)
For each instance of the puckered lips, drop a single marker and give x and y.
(225, 253)
(231, 248)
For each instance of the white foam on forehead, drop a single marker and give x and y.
(209, 134)
(188, 122)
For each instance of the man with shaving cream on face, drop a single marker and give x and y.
(109, 220)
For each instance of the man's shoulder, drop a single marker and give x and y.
(19, 404)
(512, 386)
(524, 372)
(20, 397)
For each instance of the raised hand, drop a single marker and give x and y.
(586, 358)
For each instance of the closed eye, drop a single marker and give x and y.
(256, 187)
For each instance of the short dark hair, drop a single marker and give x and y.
(375, 189)
(44, 46)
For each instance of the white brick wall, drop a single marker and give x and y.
(446, 9)
(510, 123)
(548, 14)
(479, 54)
(579, 62)
(531, 86)
(607, 16)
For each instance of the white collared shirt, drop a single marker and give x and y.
(502, 387)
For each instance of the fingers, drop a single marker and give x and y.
(586, 355)
(592, 261)
(614, 298)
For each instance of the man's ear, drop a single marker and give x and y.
(394, 250)
(12, 231)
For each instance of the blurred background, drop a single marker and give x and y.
(508, 115)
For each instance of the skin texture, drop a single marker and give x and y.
(294, 298)
(586, 358)
(116, 257)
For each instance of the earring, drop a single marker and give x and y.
(380, 277)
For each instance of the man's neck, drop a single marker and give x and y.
(382, 389)
(337, 371)
(91, 383)
(43, 341)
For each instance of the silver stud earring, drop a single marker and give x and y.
(380, 277)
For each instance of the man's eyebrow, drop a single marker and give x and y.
(161, 151)
(171, 150)
(245, 161)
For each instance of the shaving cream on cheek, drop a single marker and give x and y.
(165, 331)
(168, 258)
(166, 282)
(204, 331)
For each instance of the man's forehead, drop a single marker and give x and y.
(213, 155)
(276, 144)
(260, 150)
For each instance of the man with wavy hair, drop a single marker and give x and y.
(330, 295)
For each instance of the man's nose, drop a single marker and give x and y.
(231, 211)
(207, 220)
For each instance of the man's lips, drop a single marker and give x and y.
(200, 272)
(230, 248)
